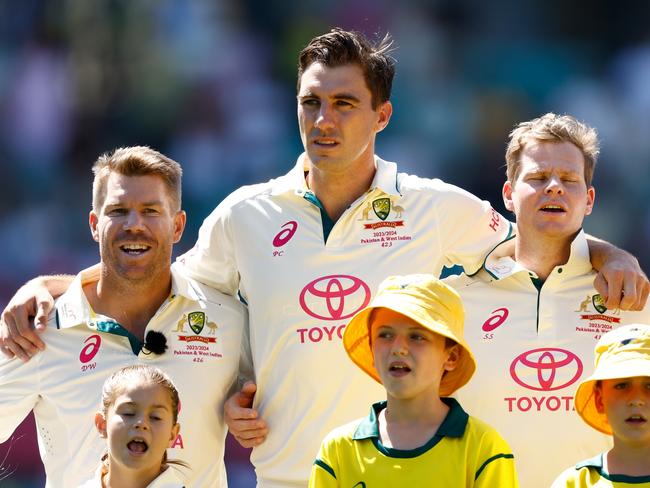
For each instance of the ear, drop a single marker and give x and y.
(453, 356)
(591, 197)
(93, 219)
(598, 399)
(507, 196)
(385, 111)
(175, 430)
(180, 219)
(100, 424)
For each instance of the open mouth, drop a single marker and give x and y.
(399, 369)
(134, 249)
(636, 419)
(137, 446)
(552, 209)
(325, 142)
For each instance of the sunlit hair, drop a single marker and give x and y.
(136, 161)
(553, 128)
(123, 378)
(340, 47)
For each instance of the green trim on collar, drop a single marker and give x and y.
(596, 462)
(112, 327)
(328, 224)
(511, 235)
(538, 282)
(453, 425)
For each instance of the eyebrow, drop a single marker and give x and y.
(152, 203)
(336, 96)
(130, 404)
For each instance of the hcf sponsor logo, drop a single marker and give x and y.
(332, 298)
(545, 370)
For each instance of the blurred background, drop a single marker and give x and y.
(212, 85)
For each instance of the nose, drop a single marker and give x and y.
(636, 401)
(133, 221)
(324, 117)
(554, 186)
(400, 346)
(141, 423)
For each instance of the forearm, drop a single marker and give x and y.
(55, 284)
(620, 281)
(600, 251)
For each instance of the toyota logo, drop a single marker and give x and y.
(334, 297)
(546, 369)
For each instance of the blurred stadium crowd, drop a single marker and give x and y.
(211, 83)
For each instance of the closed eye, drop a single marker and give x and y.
(310, 102)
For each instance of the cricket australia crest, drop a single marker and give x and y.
(196, 321)
(599, 303)
(381, 206)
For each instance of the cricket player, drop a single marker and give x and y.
(305, 250)
(533, 315)
(129, 309)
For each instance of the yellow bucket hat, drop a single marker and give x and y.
(621, 353)
(428, 301)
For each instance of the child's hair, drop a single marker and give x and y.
(129, 375)
(115, 384)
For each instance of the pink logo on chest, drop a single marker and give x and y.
(334, 297)
(285, 235)
(91, 348)
(546, 369)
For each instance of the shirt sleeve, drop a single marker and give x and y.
(567, 479)
(212, 260)
(469, 228)
(323, 471)
(498, 464)
(19, 387)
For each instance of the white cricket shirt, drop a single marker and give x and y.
(63, 384)
(532, 347)
(303, 277)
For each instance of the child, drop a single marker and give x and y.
(139, 422)
(410, 339)
(616, 401)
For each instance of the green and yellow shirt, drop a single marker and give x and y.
(590, 473)
(465, 452)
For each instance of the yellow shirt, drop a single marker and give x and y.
(465, 452)
(590, 473)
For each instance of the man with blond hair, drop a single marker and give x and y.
(526, 317)
(130, 309)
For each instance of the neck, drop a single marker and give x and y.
(409, 424)
(130, 303)
(117, 478)
(541, 255)
(631, 460)
(336, 189)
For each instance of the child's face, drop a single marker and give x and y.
(139, 427)
(409, 358)
(626, 402)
